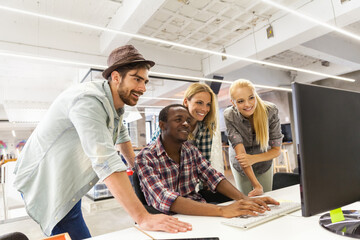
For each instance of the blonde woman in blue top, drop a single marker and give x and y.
(253, 128)
(199, 99)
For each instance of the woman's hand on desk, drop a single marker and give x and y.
(257, 191)
(162, 222)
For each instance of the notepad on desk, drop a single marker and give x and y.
(246, 222)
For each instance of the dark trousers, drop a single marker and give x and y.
(73, 223)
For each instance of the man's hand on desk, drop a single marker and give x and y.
(162, 222)
(248, 206)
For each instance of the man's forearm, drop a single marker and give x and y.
(190, 207)
(226, 188)
(120, 187)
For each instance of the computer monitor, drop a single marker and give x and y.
(286, 131)
(327, 123)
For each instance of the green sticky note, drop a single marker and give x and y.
(344, 230)
(336, 215)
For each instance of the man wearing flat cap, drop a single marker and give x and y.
(72, 148)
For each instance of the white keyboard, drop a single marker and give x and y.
(246, 222)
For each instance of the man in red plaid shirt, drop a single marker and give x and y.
(170, 168)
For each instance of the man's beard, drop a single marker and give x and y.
(126, 98)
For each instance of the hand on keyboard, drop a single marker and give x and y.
(263, 201)
(249, 221)
(247, 206)
(241, 207)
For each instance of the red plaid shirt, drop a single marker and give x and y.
(162, 180)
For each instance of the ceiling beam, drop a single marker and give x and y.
(289, 30)
(129, 18)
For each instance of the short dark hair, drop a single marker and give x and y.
(123, 70)
(163, 115)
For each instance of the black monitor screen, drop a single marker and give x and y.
(327, 123)
(286, 131)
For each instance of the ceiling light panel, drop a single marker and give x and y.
(172, 5)
(293, 59)
(203, 16)
(163, 16)
(188, 11)
(211, 19)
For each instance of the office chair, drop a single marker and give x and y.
(282, 179)
(14, 236)
(140, 194)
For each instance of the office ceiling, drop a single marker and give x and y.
(237, 27)
(207, 24)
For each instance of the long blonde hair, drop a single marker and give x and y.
(260, 116)
(210, 119)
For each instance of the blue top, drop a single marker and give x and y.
(69, 151)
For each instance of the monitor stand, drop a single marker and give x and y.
(349, 227)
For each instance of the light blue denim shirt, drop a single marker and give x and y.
(69, 151)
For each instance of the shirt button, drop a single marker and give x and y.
(73, 199)
(90, 183)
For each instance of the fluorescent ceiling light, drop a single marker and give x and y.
(13, 133)
(162, 98)
(53, 60)
(173, 43)
(145, 111)
(148, 106)
(213, 80)
(165, 75)
(310, 19)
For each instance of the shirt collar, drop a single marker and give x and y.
(109, 96)
(159, 147)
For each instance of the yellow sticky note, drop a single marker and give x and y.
(336, 215)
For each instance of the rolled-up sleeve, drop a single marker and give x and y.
(233, 135)
(275, 135)
(89, 119)
(155, 189)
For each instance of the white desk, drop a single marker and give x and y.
(128, 233)
(292, 226)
